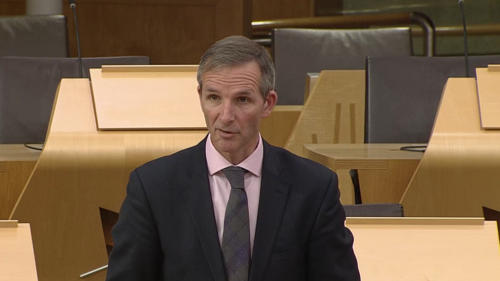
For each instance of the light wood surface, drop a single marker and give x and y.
(489, 97)
(277, 127)
(80, 171)
(9, 223)
(176, 106)
(433, 251)
(459, 173)
(384, 170)
(17, 262)
(16, 164)
(333, 113)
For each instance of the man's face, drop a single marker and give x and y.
(233, 107)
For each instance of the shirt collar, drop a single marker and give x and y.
(217, 162)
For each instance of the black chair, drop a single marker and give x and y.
(28, 87)
(33, 36)
(374, 210)
(403, 94)
(300, 51)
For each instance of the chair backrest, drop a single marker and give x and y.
(33, 36)
(299, 51)
(403, 94)
(28, 87)
(374, 210)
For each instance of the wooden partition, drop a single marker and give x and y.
(16, 164)
(332, 113)
(81, 171)
(17, 262)
(168, 31)
(384, 170)
(415, 249)
(459, 173)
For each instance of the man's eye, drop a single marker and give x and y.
(213, 97)
(244, 99)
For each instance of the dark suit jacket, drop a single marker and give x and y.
(167, 231)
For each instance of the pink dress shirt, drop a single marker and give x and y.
(220, 187)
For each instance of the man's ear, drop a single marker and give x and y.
(269, 103)
(199, 90)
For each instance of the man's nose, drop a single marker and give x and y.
(227, 114)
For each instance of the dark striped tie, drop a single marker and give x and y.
(236, 236)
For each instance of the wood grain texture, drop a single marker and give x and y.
(12, 7)
(80, 171)
(384, 170)
(282, 9)
(326, 117)
(329, 104)
(17, 262)
(458, 174)
(9, 223)
(121, 103)
(489, 97)
(168, 31)
(431, 251)
(16, 164)
(276, 128)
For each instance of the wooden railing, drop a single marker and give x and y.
(261, 30)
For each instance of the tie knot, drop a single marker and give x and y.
(236, 176)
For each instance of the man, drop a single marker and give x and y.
(233, 207)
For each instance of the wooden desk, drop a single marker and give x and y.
(426, 249)
(384, 170)
(16, 164)
(17, 260)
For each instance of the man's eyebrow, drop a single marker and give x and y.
(211, 90)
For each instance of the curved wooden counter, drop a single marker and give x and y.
(80, 171)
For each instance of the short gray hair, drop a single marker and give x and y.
(234, 51)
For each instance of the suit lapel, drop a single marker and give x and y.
(199, 202)
(273, 197)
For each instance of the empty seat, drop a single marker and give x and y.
(33, 36)
(403, 94)
(299, 51)
(27, 91)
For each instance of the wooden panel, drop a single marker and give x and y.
(334, 111)
(389, 185)
(458, 174)
(427, 251)
(80, 171)
(384, 170)
(168, 31)
(489, 97)
(16, 164)
(121, 102)
(12, 7)
(282, 9)
(276, 128)
(17, 262)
